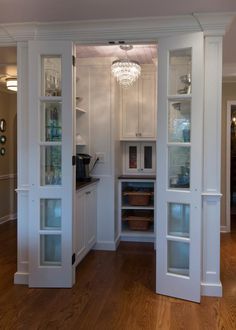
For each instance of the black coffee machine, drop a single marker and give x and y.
(82, 167)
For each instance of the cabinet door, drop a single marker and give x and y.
(79, 229)
(179, 166)
(147, 158)
(129, 112)
(132, 157)
(91, 217)
(147, 105)
(51, 176)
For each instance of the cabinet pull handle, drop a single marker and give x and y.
(88, 192)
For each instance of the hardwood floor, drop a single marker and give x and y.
(114, 290)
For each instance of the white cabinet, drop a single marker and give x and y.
(138, 108)
(85, 221)
(139, 158)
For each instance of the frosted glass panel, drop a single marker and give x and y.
(50, 250)
(50, 213)
(50, 165)
(178, 219)
(179, 121)
(51, 75)
(180, 67)
(178, 258)
(51, 121)
(179, 167)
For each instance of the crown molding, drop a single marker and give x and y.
(214, 24)
(147, 29)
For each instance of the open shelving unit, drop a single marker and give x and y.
(137, 209)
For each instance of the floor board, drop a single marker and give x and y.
(114, 290)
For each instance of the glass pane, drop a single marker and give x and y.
(178, 258)
(179, 119)
(51, 121)
(147, 157)
(50, 165)
(180, 64)
(178, 219)
(179, 167)
(132, 157)
(50, 250)
(51, 75)
(50, 213)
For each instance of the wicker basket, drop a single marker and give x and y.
(138, 198)
(138, 222)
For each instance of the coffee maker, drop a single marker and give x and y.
(82, 167)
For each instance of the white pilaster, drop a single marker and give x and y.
(211, 284)
(21, 276)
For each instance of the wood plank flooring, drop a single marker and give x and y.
(114, 290)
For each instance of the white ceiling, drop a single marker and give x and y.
(59, 10)
(144, 54)
(12, 11)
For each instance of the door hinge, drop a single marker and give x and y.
(73, 160)
(73, 258)
(73, 60)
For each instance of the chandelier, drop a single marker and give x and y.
(126, 71)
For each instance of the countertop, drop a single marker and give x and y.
(137, 177)
(82, 184)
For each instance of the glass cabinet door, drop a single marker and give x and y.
(51, 173)
(179, 166)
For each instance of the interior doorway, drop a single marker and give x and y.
(8, 133)
(231, 166)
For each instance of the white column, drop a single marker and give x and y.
(21, 276)
(211, 284)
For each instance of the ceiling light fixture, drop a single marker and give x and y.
(124, 70)
(11, 84)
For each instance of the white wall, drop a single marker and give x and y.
(96, 86)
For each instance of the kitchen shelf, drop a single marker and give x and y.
(137, 220)
(80, 110)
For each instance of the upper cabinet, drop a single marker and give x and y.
(139, 107)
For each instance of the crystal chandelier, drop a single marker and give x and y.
(126, 71)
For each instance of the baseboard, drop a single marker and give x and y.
(224, 229)
(211, 290)
(106, 245)
(8, 217)
(137, 239)
(21, 278)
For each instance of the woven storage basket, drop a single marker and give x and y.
(138, 198)
(138, 222)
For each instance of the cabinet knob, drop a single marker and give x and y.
(88, 192)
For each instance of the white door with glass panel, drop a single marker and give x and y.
(51, 171)
(179, 166)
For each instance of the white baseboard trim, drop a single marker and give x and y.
(8, 217)
(117, 241)
(211, 289)
(21, 278)
(105, 245)
(137, 239)
(224, 229)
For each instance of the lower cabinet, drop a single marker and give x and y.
(85, 230)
